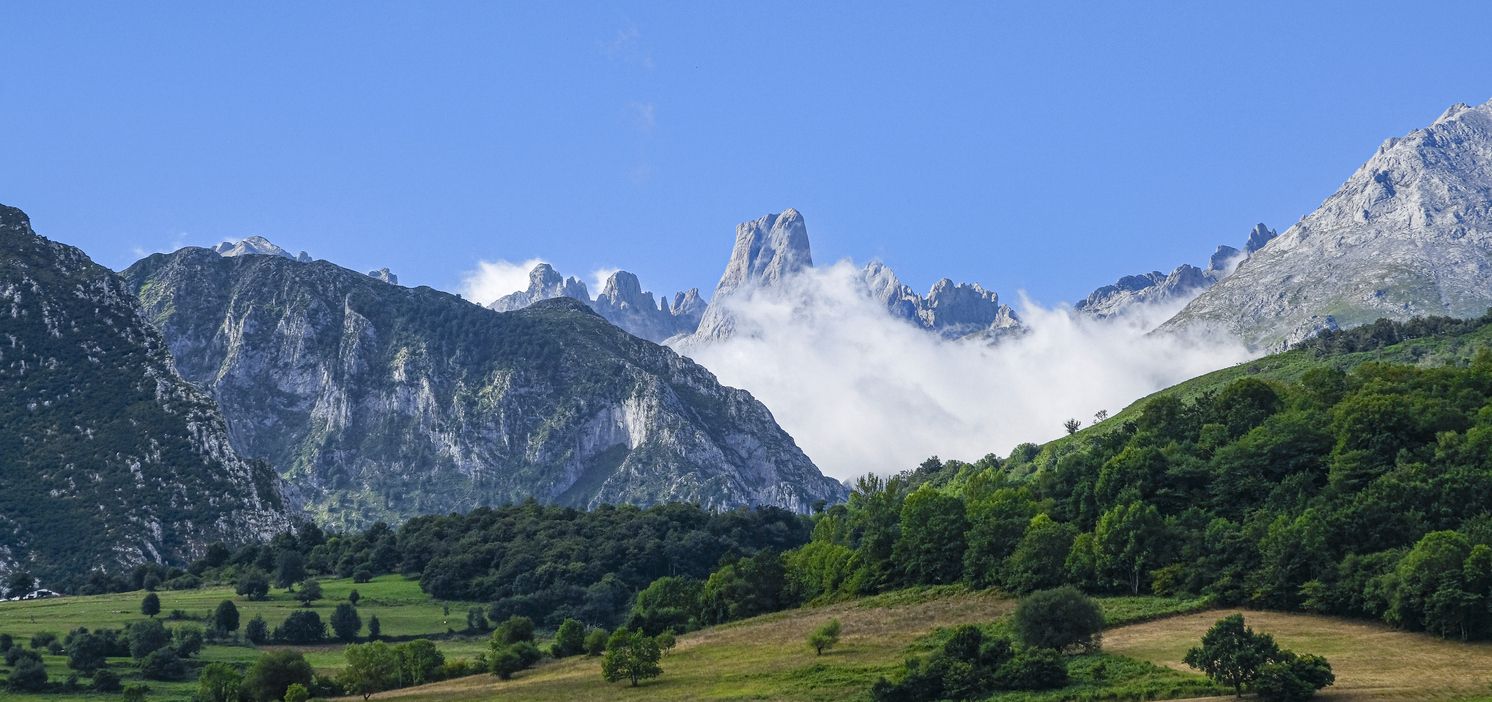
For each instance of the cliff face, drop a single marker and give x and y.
(1410, 233)
(381, 402)
(108, 457)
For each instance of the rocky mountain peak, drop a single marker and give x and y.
(259, 246)
(1409, 233)
(767, 249)
(544, 283)
(384, 275)
(1260, 236)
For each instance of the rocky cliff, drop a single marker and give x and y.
(1132, 293)
(382, 402)
(108, 458)
(622, 302)
(1410, 233)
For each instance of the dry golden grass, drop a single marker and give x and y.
(756, 659)
(1371, 661)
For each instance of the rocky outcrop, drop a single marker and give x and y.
(767, 251)
(108, 458)
(1158, 290)
(257, 246)
(622, 302)
(1410, 233)
(384, 402)
(384, 275)
(951, 310)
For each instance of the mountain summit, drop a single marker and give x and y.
(1410, 233)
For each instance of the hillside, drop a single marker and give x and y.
(108, 458)
(379, 402)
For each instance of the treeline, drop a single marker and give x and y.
(546, 563)
(1364, 494)
(1387, 332)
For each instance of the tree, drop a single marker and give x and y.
(825, 637)
(253, 584)
(375, 629)
(151, 605)
(371, 667)
(290, 568)
(225, 617)
(631, 655)
(87, 652)
(1127, 542)
(1232, 654)
(346, 622)
(476, 620)
(301, 627)
(1293, 678)
(257, 631)
(595, 642)
(310, 591)
(29, 675)
(148, 636)
(188, 641)
(219, 682)
(1059, 619)
(1040, 556)
(136, 692)
(1072, 426)
(1100, 415)
(569, 639)
(106, 680)
(353, 597)
(297, 693)
(930, 549)
(19, 583)
(508, 659)
(514, 630)
(163, 664)
(273, 673)
(419, 661)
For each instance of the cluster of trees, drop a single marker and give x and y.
(1233, 654)
(159, 652)
(1361, 493)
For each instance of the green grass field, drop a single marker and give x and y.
(403, 610)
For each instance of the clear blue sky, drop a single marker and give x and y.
(1041, 146)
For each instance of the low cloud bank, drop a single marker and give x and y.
(493, 279)
(863, 392)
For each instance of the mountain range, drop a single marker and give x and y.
(381, 402)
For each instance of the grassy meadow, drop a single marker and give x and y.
(403, 611)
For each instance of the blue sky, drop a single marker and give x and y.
(1045, 147)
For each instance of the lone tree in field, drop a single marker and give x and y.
(1060, 619)
(1232, 654)
(824, 637)
(1072, 426)
(225, 618)
(631, 655)
(346, 622)
(310, 591)
(151, 605)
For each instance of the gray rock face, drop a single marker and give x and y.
(544, 283)
(384, 402)
(384, 275)
(622, 302)
(767, 251)
(1134, 292)
(108, 457)
(953, 311)
(257, 246)
(1410, 233)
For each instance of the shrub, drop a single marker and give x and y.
(273, 673)
(106, 680)
(824, 637)
(1293, 678)
(188, 641)
(163, 664)
(43, 639)
(569, 639)
(29, 675)
(301, 627)
(1033, 669)
(219, 682)
(1060, 619)
(253, 584)
(147, 637)
(297, 693)
(595, 642)
(257, 632)
(508, 659)
(514, 630)
(362, 575)
(136, 692)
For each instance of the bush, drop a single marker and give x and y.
(273, 673)
(302, 627)
(106, 680)
(6, 641)
(514, 630)
(16, 654)
(1033, 669)
(43, 639)
(1059, 619)
(29, 675)
(253, 584)
(569, 639)
(595, 642)
(147, 637)
(163, 664)
(257, 632)
(219, 682)
(362, 575)
(188, 641)
(1294, 678)
(297, 693)
(136, 692)
(824, 637)
(508, 659)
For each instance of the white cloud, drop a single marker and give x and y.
(627, 47)
(644, 115)
(493, 279)
(862, 391)
(599, 278)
